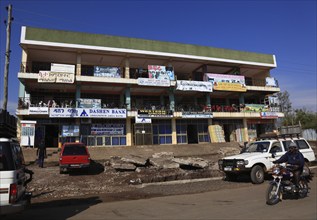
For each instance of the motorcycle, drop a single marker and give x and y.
(282, 185)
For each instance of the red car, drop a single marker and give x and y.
(74, 156)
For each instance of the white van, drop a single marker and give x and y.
(13, 178)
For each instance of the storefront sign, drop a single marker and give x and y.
(154, 113)
(87, 113)
(62, 68)
(107, 71)
(197, 115)
(269, 115)
(186, 85)
(226, 82)
(154, 82)
(38, 110)
(142, 120)
(107, 129)
(89, 103)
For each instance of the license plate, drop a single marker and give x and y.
(227, 168)
(74, 165)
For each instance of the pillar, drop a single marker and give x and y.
(127, 99)
(174, 133)
(24, 64)
(78, 64)
(209, 128)
(245, 130)
(127, 69)
(172, 100)
(78, 94)
(129, 132)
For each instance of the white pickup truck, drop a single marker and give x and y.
(257, 158)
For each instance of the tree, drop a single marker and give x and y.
(286, 107)
(307, 119)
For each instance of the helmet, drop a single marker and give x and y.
(292, 146)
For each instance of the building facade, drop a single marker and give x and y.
(117, 91)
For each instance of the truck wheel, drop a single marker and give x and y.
(257, 174)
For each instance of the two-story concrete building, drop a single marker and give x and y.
(108, 91)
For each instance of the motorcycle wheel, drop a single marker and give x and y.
(273, 194)
(303, 188)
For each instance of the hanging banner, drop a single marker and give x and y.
(255, 108)
(146, 113)
(154, 82)
(186, 85)
(62, 68)
(87, 113)
(197, 115)
(107, 129)
(270, 81)
(89, 103)
(64, 77)
(170, 72)
(107, 71)
(269, 115)
(46, 77)
(38, 110)
(157, 72)
(224, 82)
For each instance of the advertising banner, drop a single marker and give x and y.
(270, 81)
(255, 108)
(46, 77)
(107, 71)
(89, 103)
(186, 85)
(87, 113)
(170, 72)
(62, 68)
(55, 77)
(38, 110)
(157, 72)
(154, 82)
(146, 113)
(142, 120)
(107, 129)
(197, 115)
(226, 82)
(269, 115)
(70, 130)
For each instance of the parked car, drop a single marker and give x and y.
(73, 156)
(257, 158)
(14, 178)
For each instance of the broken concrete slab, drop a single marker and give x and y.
(166, 155)
(123, 166)
(137, 160)
(191, 161)
(163, 163)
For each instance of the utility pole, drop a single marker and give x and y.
(7, 59)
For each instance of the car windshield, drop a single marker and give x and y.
(74, 150)
(258, 147)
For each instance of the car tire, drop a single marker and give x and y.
(257, 174)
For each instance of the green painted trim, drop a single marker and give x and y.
(58, 36)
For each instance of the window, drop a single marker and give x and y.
(276, 147)
(301, 144)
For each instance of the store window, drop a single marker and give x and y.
(162, 132)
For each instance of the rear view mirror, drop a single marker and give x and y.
(273, 154)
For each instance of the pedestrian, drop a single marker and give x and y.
(41, 154)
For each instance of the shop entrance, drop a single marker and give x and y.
(143, 134)
(192, 134)
(51, 135)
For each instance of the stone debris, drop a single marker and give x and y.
(137, 160)
(228, 151)
(192, 161)
(163, 163)
(166, 155)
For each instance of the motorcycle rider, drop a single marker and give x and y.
(295, 158)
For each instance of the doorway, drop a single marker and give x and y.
(143, 134)
(192, 134)
(51, 135)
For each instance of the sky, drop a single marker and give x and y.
(285, 28)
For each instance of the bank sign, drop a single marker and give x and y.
(87, 113)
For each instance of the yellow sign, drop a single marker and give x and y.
(229, 86)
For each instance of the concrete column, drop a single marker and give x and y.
(128, 99)
(162, 101)
(78, 94)
(24, 64)
(174, 133)
(241, 98)
(172, 100)
(209, 127)
(129, 132)
(245, 130)
(78, 64)
(127, 68)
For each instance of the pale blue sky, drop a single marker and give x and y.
(286, 29)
